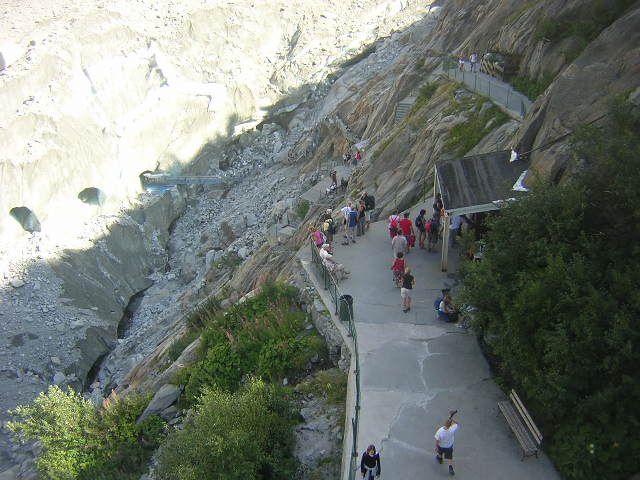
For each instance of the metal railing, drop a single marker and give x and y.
(484, 84)
(345, 313)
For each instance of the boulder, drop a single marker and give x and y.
(163, 399)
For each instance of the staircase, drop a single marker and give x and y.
(403, 108)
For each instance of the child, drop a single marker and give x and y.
(398, 269)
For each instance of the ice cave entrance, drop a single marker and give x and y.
(26, 218)
(93, 196)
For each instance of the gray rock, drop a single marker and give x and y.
(163, 398)
(17, 283)
(243, 252)
(59, 378)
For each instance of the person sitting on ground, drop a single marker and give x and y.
(406, 227)
(334, 267)
(397, 268)
(447, 310)
(399, 245)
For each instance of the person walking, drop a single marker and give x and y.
(399, 245)
(408, 282)
(406, 226)
(394, 224)
(454, 229)
(421, 225)
(370, 204)
(437, 205)
(352, 223)
(444, 441)
(433, 228)
(397, 268)
(361, 218)
(370, 463)
(461, 62)
(473, 59)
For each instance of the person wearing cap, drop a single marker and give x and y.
(370, 463)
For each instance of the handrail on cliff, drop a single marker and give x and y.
(343, 308)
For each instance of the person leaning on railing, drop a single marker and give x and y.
(334, 267)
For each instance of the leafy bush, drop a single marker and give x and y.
(302, 207)
(464, 136)
(530, 87)
(241, 435)
(558, 298)
(330, 383)
(81, 441)
(263, 336)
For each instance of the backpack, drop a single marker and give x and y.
(394, 224)
(420, 223)
(353, 218)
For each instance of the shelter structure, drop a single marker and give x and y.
(474, 184)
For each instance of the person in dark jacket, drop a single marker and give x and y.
(370, 463)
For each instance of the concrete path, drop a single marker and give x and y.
(500, 92)
(318, 191)
(415, 369)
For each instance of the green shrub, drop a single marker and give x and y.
(302, 208)
(81, 441)
(331, 383)
(241, 435)
(530, 87)
(466, 135)
(263, 336)
(424, 95)
(180, 343)
(558, 299)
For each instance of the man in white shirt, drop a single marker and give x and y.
(444, 442)
(454, 228)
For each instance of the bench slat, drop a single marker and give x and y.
(518, 428)
(535, 432)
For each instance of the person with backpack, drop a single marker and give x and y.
(318, 238)
(394, 224)
(406, 227)
(397, 268)
(361, 218)
(433, 227)
(370, 204)
(352, 223)
(421, 225)
(329, 228)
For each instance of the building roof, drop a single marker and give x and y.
(478, 183)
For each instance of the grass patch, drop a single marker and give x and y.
(424, 95)
(302, 208)
(228, 260)
(464, 136)
(530, 87)
(330, 384)
(264, 336)
(179, 344)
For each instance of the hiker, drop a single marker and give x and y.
(461, 62)
(318, 238)
(344, 183)
(444, 441)
(408, 282)
(361, 218)
(406, 227)
(394, 224)
(345, 213)
(421, 225)
(370, 463)
(331, 189)
(370, 204)
(397, 268)
(328, 226)
(433, 227)
(447, 310)
(347, 158)
(358, 157)
(399, 245)
(437, 205)
(454, 229)
(333, 266)
(334, 177)
(473, 59)
(352, 223)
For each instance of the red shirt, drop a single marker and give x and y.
(398, 265)
(405, 226)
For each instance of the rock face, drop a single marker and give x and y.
(94, 93)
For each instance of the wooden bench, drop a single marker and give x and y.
(521, 424)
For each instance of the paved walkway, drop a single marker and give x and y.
(318, 191)
(415, 369)
(500, 92)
